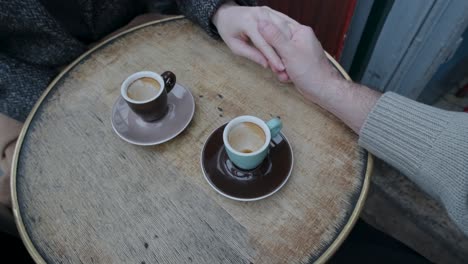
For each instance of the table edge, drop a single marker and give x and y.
(354, 216)
(17, 215)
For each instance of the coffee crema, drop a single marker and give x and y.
(246, 137)
(143, 89)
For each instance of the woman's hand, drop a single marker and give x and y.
(238, 27)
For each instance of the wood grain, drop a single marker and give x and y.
(80, 194)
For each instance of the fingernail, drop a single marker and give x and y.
(281, 67)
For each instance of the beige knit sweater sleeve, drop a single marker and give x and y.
(428, 145)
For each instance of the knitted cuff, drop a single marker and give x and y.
(402, 131)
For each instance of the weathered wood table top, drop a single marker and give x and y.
(81, 194)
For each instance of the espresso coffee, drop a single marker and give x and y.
(143, 89)
(246, 137)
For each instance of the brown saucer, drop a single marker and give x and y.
(242, 185)
(133, 129)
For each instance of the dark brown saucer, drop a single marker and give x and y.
(242, 185)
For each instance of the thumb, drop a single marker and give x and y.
(273, 36)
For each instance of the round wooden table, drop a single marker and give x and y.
(81, 194)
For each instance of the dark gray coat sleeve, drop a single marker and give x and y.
(201, 11)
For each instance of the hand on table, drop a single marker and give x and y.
(293, 52)
(302, 55)
(315, 78)
(238, 27)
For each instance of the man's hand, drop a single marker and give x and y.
(315, 78)
(238, 27)
(303, 57)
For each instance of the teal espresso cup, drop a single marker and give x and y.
(247, 140)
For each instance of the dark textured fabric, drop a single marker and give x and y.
(38, 36)
(199, 12)
(32, 45)
(21, 84)
(90, 20)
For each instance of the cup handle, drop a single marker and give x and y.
(169, 80)
(275, 125)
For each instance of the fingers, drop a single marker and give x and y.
(283, 77)
(284, 27)
(285, 18)
(267, 11)
(273, 36)
(241, 48)
(283, 22)
(266, 49)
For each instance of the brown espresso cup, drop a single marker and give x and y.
(146, 93)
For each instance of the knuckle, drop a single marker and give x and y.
(307, 29)
(276, 36)
(264, 10)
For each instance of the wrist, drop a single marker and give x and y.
(349, 101)
(219, 13)
(324, 91)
